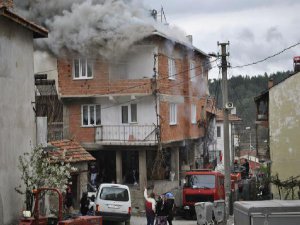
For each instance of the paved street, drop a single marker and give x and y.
(137, 220)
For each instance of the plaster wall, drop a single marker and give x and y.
(284, 121)
(17, 119)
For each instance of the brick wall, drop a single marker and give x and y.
(7, 3)
(100, 84)
(193, 94)
(184, 129)
(77, 132)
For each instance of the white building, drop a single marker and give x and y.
(217, 146)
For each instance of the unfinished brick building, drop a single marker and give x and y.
(126, 110)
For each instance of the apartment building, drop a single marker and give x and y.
(126, 110)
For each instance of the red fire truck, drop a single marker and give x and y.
(201, 186)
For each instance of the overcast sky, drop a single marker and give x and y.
(256, 29)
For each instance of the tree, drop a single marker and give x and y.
(39, 169)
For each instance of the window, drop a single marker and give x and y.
(201, 181)
(193, 114)
(114, 194)
(173, 114)
(129, 113)
(82, 69)
(91, 115)
(218, 131)
(172, 69)
(192, 71)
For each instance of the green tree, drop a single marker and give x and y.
(38, 169)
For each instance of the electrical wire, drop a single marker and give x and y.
(265, 59)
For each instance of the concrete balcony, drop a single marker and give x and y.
(126, 135)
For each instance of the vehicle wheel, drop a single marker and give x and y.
(127, 222)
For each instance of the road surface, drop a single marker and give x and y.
(140, 220)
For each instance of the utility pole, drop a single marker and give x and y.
(226, 127)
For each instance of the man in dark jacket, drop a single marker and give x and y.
(84, 204)
(170, 205)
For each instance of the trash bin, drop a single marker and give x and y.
(219, 210)
(204, 213)
(271, 212)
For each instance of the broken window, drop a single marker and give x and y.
(82, 69)
(91, 115)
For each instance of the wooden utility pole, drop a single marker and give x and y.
(226, 125)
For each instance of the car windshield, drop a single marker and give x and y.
(114, 194)
(200, 181)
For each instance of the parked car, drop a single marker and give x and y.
(113, 203)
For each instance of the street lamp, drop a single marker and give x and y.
(249, 128)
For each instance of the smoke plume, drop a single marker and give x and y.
(104, 28)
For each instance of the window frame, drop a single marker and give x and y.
(89, 107)
(173, 114)
(130, 112)
(192, 67)
(82, 64)
(193, 113)
(171, 69)
(219, 132)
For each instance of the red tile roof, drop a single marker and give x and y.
(38, 31)
(69, 151)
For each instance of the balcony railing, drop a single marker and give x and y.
(126, 134)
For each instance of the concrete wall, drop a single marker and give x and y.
(44, 63)
(17, 119)
(284, 119)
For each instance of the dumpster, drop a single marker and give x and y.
(219, 210)
(271, 212)
(204, 212)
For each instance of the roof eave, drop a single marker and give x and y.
(38, 31)
(181, 43)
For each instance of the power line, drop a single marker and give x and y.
(162, 78)
(269, 57)
(141, 98)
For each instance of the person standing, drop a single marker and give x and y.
(94, 172)
(161, 211)
(170, 205)
(69, 201)
(246, 165)
(84, 204)
(150, 204)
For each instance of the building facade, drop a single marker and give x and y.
(278, 120)
(17, 117)
(137, 115)
(217, 146)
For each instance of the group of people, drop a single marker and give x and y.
(159, 210)
(243, 168)
(87, 205)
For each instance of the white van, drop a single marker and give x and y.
(113, 202)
